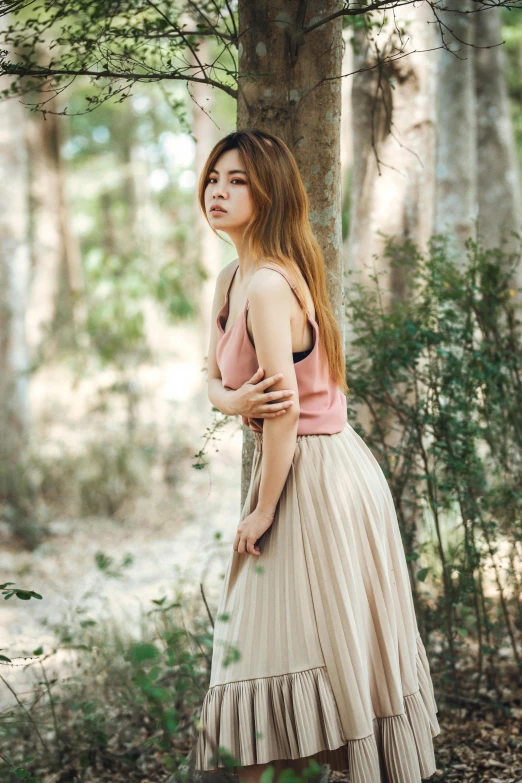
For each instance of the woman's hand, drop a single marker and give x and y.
(250, 529)
(251, 400)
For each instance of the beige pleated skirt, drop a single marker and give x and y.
(317, 652)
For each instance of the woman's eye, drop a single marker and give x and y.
(241, 182)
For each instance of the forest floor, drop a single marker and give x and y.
(167, 529)
(169, 535)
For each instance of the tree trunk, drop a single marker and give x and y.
(56, 278)
(208, 246)
(287, 97)
(456, 172)
(47, 245)
(393, 184)
(56, 275)
(346, 107)
(14, 281)
(394, 139)
(498, 184)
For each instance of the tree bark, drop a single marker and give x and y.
(498, 187)
(456, 172)
(394, 138)
(289, 97)
(347, 151)
(56, 277)
(51, 242)
(14, 283)
(393, 181)
(209, 247)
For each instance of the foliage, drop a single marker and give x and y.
(218, 422)
(115, 690)
(24, 595)
(130, 175)
(512, 35)
(440, 375)
(19, 592)
(131, 179)
(119, 45)
(115, 322)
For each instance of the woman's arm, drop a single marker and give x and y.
(271, 304)
(221, 398)
(251, 399)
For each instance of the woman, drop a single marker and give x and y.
(316, 651)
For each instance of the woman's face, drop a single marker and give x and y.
(227, 187)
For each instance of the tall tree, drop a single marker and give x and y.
(14, 287)
(477, 173)
(346, 104)
(206, 134)
(55, 261)
(456, 193)
(394, 137)
(297, 95)
(498, 181)
(426, 129)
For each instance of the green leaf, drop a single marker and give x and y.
(140, 652)
(268, 775)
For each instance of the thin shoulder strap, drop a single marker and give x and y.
(282, 272)
(231, 279)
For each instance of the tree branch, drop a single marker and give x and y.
(21, 70)
(387, 5)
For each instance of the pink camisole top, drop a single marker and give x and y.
(322, 404)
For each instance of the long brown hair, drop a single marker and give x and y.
(280, 228)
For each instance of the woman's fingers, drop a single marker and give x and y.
(270, 411)
(276, 406)
(244, 545)
(251, 548)
(258, 373)
(275, 409)
(239, 543)
(266, 382)
(276, 395)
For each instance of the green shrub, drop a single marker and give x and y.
(439, 374)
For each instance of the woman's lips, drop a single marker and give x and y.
(218, 211)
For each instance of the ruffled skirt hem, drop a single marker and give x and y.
(295, 715)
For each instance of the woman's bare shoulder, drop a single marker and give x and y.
(290, 271)
(229, 268)
(268, 285)
(227, 271)
(225, 275)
